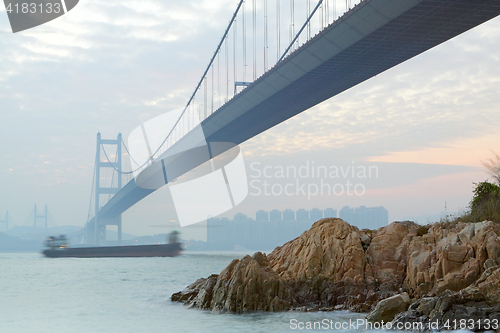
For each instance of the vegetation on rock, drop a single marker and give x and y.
(485, 203)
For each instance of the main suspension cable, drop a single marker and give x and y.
(254, 40)
(301, 29)
(278, 29)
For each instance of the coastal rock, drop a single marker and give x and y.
(198, 294)
(250, 284)
(450, 257)
(388, 308)
(245, 285)
(478, 306)
(337, 266)
(327, 267)
(331, 249)
(388, 255)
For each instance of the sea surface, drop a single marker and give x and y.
(108, 295)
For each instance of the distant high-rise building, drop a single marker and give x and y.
(243, 232)
(262, 216)
(365, 217)
(330, 212)
(347, 214)
(288, 215)
(316, 214)
(302, 215)
(240, 217)
(275, 215)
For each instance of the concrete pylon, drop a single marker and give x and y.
(6, 221)
(101, 222)
(43, 216)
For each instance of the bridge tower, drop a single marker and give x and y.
(42, 216)
(6, 221)
(100, 221)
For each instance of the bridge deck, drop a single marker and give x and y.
(371, 38)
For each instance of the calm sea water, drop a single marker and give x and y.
(110, 295)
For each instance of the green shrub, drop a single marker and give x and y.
(485, 204)
(483, 193)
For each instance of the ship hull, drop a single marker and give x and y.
(160, 250)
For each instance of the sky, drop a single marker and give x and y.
(424, 125)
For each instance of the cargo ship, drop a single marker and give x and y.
(57, 247)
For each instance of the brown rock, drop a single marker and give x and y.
(388, 308)
(388, 255)
(331, 248)
(337, 266)
(198, 292)
(249, 284)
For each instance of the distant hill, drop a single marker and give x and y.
(32, 232)
(14, 244)
(39, 234)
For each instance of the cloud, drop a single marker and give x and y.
(445, 94)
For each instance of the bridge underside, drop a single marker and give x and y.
(420, 28)
(371, 38)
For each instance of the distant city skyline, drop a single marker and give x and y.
(289, 215)
(365, 217)
(273, 228)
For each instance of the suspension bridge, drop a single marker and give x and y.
(275, 60)
(36, 223)
(5, 222)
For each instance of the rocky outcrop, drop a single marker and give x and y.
(388, 256)
(245, 285)
(197, 294)
(337, 266)
(451, 257)
(250, 284)
(327, 267)
(476, 308)
(388, 308)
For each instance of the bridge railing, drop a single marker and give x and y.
(260, 34)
